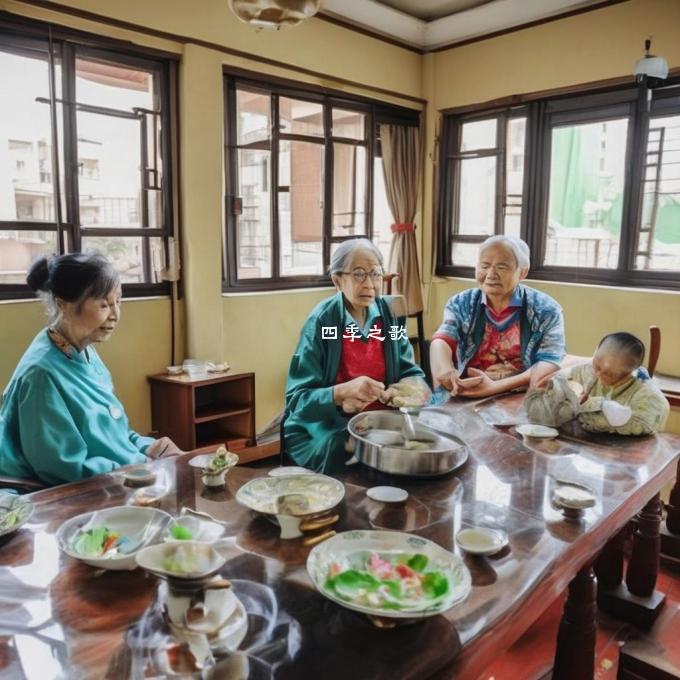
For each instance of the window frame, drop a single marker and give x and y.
(543, 114)
(65, 45)
(376, 113)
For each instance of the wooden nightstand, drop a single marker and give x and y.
(207, 411)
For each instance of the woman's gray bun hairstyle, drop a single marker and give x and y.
(517, 246)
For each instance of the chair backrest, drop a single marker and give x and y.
(654, 349)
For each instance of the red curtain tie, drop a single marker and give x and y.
(402, 226)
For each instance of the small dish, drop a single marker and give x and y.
(149, 496)
(135, 527)
(573, 495)
(217, 466)
(291, 500)
(387, 494)
(15, 511)
(481, 541)
(529, 431)
(139, 475)
(185, 560)
(288, 470)
(174, 370)
(195, 529)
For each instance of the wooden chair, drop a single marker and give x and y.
(423, 355)
(654, 349)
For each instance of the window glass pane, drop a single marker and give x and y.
(253, 122)
(19, 248)
(586, 194)
(659, 235)
(514, 175)
(301, 182)
(26, 189)
(109, 170)
(349, 190)
(254, 223)
(299, 117)
(464, 254)
(133, 257)
(382, 216)
(477, 195)
(480, 134)
(348, 124)
(115, 86)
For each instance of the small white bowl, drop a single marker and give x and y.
(174, 370)
(573, 496)
(537, 431)
(481, 541)
(198, 560)
(202, 530)
(387, 494)
(139, 475)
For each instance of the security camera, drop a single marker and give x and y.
(650, 70)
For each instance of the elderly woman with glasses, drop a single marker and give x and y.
(353, 355)
(502, 335)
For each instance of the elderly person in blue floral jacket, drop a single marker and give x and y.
(502, 335)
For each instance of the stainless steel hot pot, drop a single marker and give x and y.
(380, 443)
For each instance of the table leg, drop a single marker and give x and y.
(637, 601)
(575, 654)
(643, 567)
(609, 563)
(670, 533)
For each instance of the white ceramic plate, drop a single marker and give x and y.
(15, 511)
(341, 545)
(387, 494)
(481, 541)
(288, 470)
(261, 494)
(144, 526)
(537, 431)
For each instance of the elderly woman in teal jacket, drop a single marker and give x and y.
(353, 355)
(60, 420)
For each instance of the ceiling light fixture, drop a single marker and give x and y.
(274, 13)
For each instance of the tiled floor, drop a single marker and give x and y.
(531, 657)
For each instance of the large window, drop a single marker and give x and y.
(591, 182)
(84, 157)
(303, 174)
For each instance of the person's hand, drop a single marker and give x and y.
(542, 383)
(447, 380)
(352, 405)
(363, 389)
(162, 448)
(407, 392)
(477, 385)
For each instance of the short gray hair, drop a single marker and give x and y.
(515, 245)
(346, 249)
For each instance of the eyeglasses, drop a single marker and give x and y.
(359, 274)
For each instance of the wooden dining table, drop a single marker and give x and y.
(60, 617)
